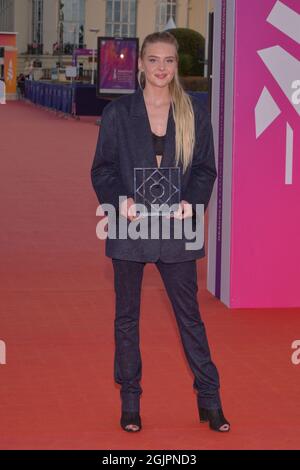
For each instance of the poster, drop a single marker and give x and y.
(117, 65)
(10, 67)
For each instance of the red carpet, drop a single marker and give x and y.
(56, 318)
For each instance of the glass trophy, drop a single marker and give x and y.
(157, 189)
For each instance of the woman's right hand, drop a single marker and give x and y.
(128, 209)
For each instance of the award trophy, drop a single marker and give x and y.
(157, 189)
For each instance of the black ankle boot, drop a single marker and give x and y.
(131, 418)
(216, 419)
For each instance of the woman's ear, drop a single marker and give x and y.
(140, 65)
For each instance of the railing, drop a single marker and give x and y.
(50, 95)
(77, 99)
(67, 49)
(35, 49)
(84, 75)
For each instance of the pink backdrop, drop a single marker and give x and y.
(265, 242)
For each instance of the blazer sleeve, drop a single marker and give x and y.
(203, 170)
(105, 174)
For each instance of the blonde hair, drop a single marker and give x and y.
(182, 107)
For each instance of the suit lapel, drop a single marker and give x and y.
(143, 143)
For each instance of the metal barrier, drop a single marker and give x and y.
(200, 95)
(51, 95)
(77, 99)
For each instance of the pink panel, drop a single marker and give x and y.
(265, 263)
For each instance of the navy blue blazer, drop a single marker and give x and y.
(124, 143)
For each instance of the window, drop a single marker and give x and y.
(120, 18)
(71, 24)
(7, 15)
(37, 23)
(165, 10)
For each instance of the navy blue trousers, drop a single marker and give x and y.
(180, 281)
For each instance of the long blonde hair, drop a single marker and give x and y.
(182, 107)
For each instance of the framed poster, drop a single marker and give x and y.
(117, 66)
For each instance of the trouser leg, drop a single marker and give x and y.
(180, 280)
(128, 276)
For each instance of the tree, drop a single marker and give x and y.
(191, 51)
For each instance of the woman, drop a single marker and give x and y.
(159, 126)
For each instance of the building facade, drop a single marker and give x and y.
(47, 28)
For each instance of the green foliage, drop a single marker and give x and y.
(191, 51)
(186, 62)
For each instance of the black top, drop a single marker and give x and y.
(159, 143)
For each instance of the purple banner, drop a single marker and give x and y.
(81, 52)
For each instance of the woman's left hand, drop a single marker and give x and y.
(184, 211)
